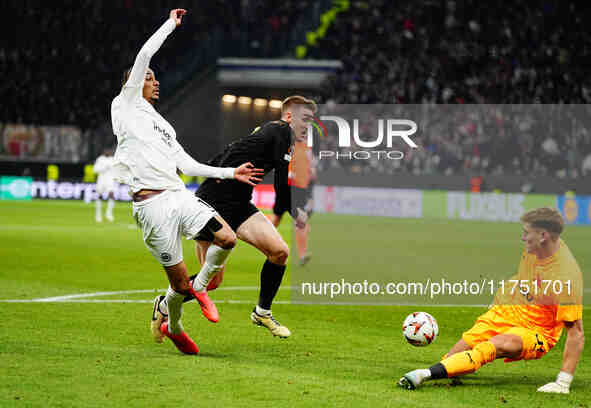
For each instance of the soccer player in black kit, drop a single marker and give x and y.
(268, 147)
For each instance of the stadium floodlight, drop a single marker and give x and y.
(244, 100)
(275, 104)
(229, 98)
(260, 102)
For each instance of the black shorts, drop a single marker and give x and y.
(232, 211)
(299, 199)
(281, 206)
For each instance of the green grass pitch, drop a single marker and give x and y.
(95, 348)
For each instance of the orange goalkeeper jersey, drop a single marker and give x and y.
(544, 294)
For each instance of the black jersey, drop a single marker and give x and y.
(268, 147)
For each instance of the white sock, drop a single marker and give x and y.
(425, 373)
(98, 205)
(214, 261)
(110, 205)
(174, 301)
(262, 312)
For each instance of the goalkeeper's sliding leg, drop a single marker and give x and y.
(515, 344)
(464, 362)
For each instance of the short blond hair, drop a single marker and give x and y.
(545, 218)
(297, 100)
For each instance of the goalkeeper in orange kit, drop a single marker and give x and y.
(528, 313)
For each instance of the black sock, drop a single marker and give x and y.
(438, 371)
(271, 276)
(189, 297)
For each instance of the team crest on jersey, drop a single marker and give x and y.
(165, 256)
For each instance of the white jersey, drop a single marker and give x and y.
(148, 153)
(104, 168)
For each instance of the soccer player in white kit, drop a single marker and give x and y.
(147, 158)
(103, 166)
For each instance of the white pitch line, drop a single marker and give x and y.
(230, 301)
(75, 301)
(86, 295)
(128, 292)
(83, 298)
(285, 302)
(65, 298)
(239, 302)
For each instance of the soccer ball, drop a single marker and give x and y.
(420, 329)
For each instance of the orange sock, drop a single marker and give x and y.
(469, 361)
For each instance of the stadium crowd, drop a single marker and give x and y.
(477, 138)
(62, 66)
(469, 52)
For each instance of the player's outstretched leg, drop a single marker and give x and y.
(173, 328)
(260, 232)
(172, 305)
(208, 308)
(413, 379)
(212, 261)
(181, 340)
(461, 363)
(201, 248)
(261, 315)
(215, 257)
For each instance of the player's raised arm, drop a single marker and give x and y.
(134, 84)
(573, 347)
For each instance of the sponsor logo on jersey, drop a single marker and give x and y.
(166, 137)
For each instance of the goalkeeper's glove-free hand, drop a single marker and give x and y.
(560, 386)
(554, 387)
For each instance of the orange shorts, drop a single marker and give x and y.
(535, 345)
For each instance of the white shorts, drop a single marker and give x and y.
(107, 186)
(166, 217)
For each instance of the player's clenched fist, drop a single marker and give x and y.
(177, 15)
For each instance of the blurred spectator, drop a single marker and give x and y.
(471, 139)
(586, 166)
(63, 61)
(459, 52)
